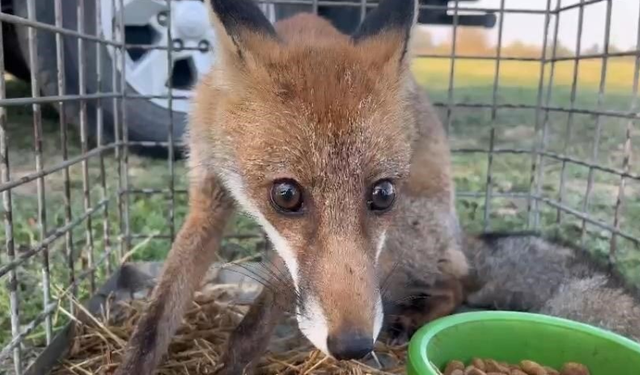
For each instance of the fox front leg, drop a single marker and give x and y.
(191, 256)
(251, 337)
(425, 305)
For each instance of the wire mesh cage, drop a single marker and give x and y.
(94, 98)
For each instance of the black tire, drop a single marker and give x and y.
(14, 63)
(146, 121)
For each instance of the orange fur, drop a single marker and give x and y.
(312, 105)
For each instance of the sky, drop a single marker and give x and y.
(529, 28)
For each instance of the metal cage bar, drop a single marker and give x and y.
(492, 131)
(452, 69)
(125, 244)
(5, 176)
(538, 145)
(118, 138)
(570, 117)
(100, 135)
(64, 143)
(89, 248)
(170, 154)
(626, 162)
(598, 132)
(37, 127)
(539, 178)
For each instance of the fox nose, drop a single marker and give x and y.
(349, 345)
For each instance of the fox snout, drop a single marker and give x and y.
(340, 332)
(341, 310)
(349, 344)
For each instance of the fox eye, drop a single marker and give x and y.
(286, 196)
(382, 196)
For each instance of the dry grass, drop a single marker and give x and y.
(199, 343)
(434, 73)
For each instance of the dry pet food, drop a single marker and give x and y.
(487, 366)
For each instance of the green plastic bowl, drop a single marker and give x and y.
(512, 337)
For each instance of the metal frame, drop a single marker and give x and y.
(118, 241)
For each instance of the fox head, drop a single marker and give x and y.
(310, 131)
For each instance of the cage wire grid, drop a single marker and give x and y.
(115, 242)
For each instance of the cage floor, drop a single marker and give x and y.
(95, 343)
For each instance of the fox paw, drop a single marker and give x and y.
(401, 330)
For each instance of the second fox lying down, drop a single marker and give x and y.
(329, 143)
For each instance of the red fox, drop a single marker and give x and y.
(329, 143)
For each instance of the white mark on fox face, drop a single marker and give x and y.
(380, 247)
(313, 323)
(377, 323)
(310, 316)
(234, 185)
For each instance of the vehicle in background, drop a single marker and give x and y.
(148, 74)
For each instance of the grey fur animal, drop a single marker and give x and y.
(525, 272)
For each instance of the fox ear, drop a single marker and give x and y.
(241, 28)
(391, 24)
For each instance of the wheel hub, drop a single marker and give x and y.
(149, 71)
(191, 19)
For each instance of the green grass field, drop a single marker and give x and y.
(469, 128)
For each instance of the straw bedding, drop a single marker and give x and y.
(197, 347)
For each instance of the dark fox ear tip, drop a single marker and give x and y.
(388, 15)
(241, 14)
